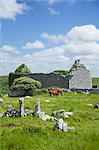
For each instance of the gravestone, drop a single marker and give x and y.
(37, 107)
(21, 107)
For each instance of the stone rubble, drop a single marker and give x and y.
(62, 113)
(19, 112)
(62, 126)
(47, 101)
(11, 112)
(91, 105)
(96, 105)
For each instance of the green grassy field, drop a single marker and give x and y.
(31, 133)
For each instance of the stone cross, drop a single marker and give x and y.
(21, 107)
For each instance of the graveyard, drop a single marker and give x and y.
(50, 118)
(31, 132)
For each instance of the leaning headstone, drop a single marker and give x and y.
(21, 107)
(37, 111)
(37, 107)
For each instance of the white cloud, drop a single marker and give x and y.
(50, 1)
(87, 33)
(80, 42)
(10, 8)
(54, 1)
(34, 45)
(9, 48)
(53, 11)
(54, 38)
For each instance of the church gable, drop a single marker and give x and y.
(80, 77)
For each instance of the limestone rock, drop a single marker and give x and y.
(96, 105)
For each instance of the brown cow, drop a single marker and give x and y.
(55, 92)
(59, 91)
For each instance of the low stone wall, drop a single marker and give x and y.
(91, 91)
(49, 80)
(94, 91)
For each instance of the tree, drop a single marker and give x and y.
(24, 86)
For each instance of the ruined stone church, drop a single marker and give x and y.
(78, 77)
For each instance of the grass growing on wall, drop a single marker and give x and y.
(31, 133)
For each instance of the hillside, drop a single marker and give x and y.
(4, 88)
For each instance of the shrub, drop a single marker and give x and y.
(12, 77)
(24, 86)
(60, 72)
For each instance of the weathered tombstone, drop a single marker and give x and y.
(37, 111)
(21, 107)
(37, 107)
(61, 125)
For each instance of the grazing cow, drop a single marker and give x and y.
(59, 91)
(55, 92)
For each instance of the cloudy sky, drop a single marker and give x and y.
(48, 35)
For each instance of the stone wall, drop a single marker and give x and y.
(80, 78)
(49, 80)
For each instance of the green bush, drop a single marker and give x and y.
(12, 77)
(24, 86)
